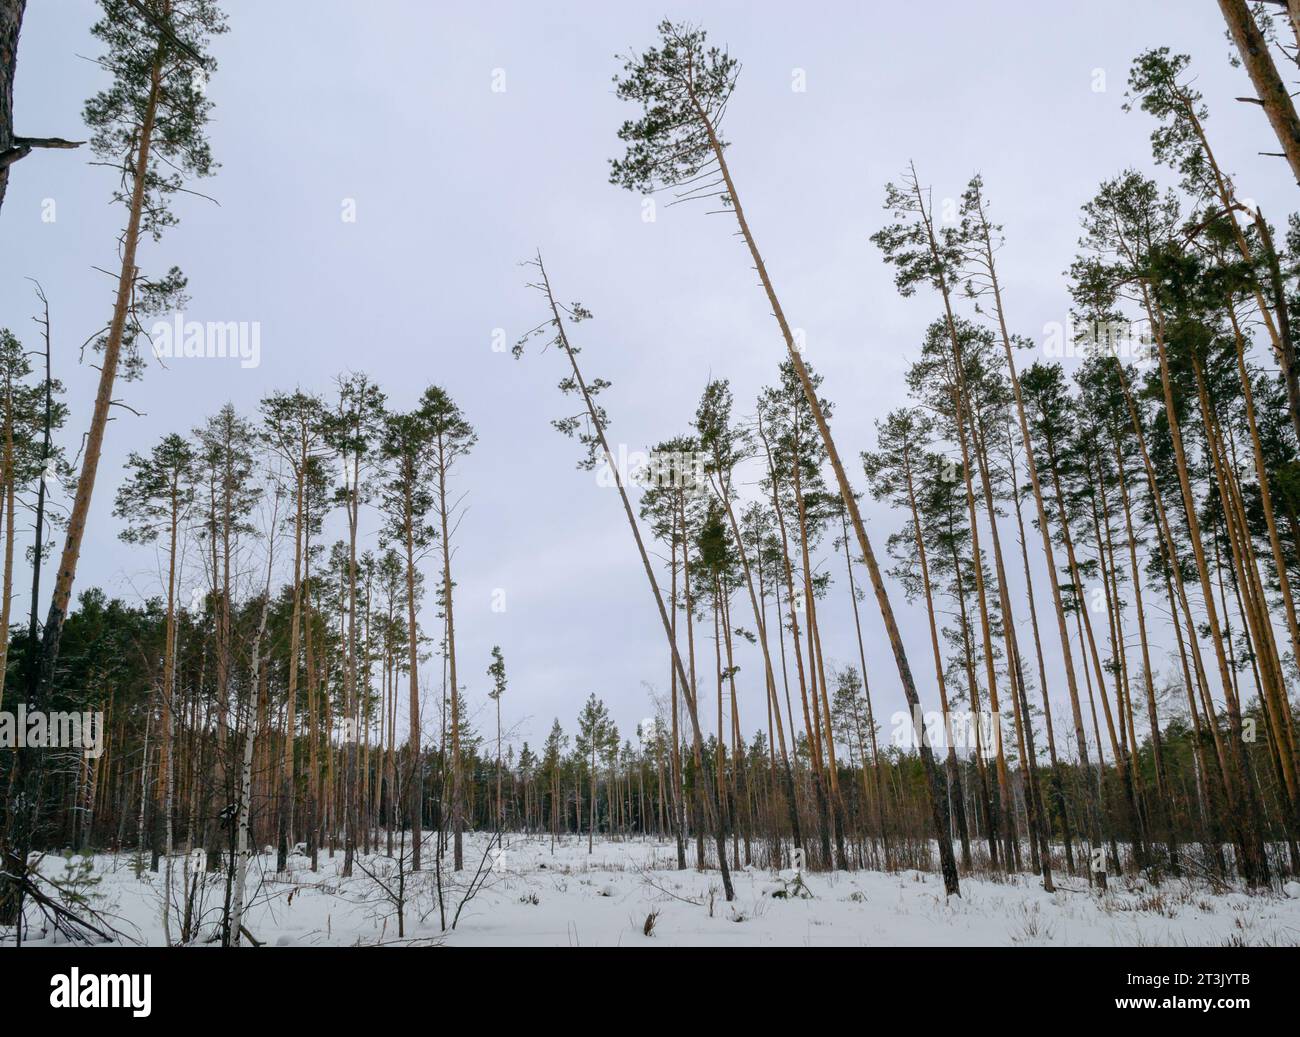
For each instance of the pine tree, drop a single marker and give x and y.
(893, 471)
(589, 428)
(591, 740)
(683, 89)
(451, 438)
(31, 414)
(497, 671)
(408, 498)
(293, 426)
(149, 124)
(155, 501)
(726, 447)
(353, 431)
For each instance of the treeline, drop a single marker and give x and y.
(585, 778)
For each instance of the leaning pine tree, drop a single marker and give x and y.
(589, 427)
(148, 124)
(683, 89)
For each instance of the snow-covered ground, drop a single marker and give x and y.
(534, 895)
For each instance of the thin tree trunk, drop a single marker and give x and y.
(691, 704)
(415, 791)
(962, 829)
(7, 592)
(954, 777)
(457, 778)
(724, 494)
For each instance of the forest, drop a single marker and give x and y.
(1100, 529)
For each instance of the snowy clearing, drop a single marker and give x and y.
(563, 897)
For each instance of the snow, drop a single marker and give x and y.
(536, 895)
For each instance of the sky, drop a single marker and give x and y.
(467, 136)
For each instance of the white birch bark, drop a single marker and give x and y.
(242, 847)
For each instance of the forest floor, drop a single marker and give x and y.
(536, 895)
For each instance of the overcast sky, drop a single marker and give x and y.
(391, 104)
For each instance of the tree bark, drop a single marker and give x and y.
(948, 861)
(691, 703)
(1273, 94)
(415, 792)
